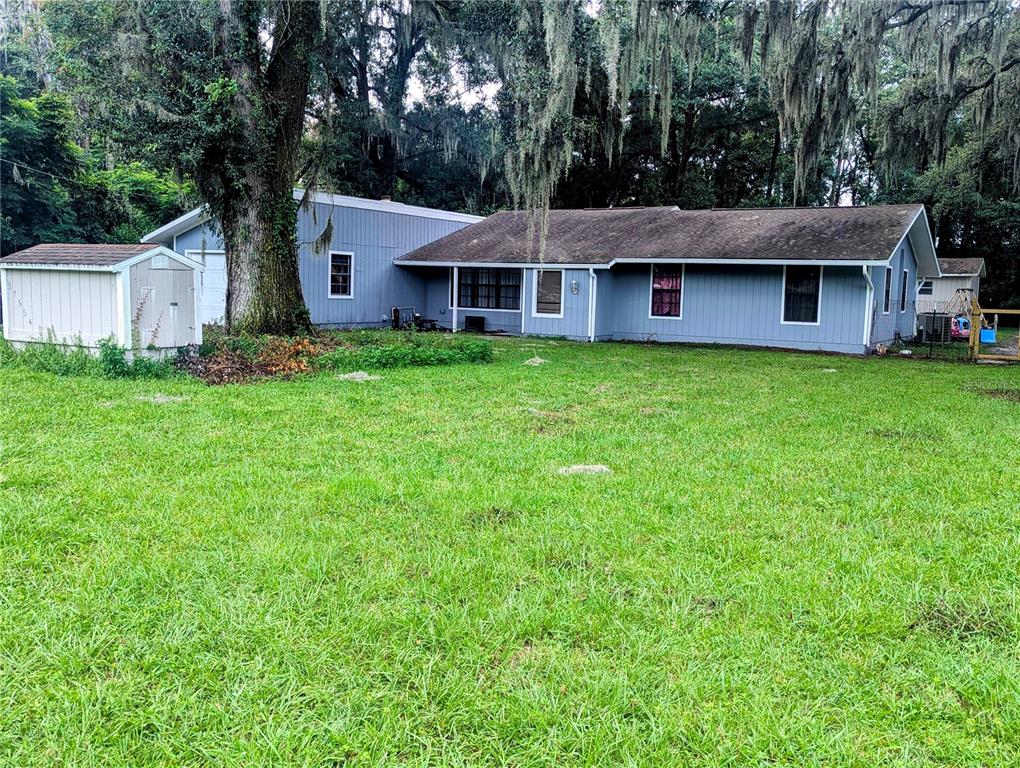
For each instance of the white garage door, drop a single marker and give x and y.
(214, 284)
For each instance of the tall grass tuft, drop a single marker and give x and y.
(76, 360)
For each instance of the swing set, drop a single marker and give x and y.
(977, 323)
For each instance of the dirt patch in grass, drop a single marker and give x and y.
(1000, 393)
(161, 399)
(651, 410)
(585, 469)
(706, 605)
(959, 621)
(358, 376)
(493, 516)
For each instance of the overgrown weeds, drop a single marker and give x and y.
(111, 362)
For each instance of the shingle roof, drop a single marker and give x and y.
(77, 254)
(600, 236)
(961, 266)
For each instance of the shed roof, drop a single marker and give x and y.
(605, 236)
(97, 255)
(106, 257)
(966, 267)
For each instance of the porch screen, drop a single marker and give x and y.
(800, 300)
(482, 288)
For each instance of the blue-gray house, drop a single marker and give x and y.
(346, 251)
(832, 279)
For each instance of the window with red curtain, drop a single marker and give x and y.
(667, 290)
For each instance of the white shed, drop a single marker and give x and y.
(140, 295)
(952, 291)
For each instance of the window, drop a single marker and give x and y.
(340, 275)
(888, 290)
(549, 292)
(667, 291)
(482, 288)
(802, 290)
(903, 290)
(927, 288)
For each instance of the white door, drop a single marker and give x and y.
(214, 285)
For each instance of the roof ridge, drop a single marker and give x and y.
(732, 209)
(810, 207)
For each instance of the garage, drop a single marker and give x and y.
(213, 303)
(141, 296)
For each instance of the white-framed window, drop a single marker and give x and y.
(666, 297)
(887, 301)
(927, 288)
(903, 290)
(341, 275)
(489, 288)
(802, 294)
(547, 296)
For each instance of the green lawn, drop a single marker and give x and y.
(788, 565)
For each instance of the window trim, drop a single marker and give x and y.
(903, 291)
(782, 298)
(454, 291)
(887, 295)
(930, 283)
(534, 294)
(651, 291)
(329, 275)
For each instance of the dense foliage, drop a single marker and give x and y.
(483, 104)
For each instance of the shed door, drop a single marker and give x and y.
(162, 306)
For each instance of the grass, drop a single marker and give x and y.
(797, 560)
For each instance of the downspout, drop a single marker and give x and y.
(869, 308)
(593, 290)
(456, 295)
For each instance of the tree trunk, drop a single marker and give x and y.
(253, 196)
(263, 284)
(771, 181)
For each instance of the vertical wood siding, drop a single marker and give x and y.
(375, 238)
(944, 292)
(733, 304)
(204, 237)
(574, 323)
(162, 305)
(885, 326)
(69, 306)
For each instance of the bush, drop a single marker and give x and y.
(419, 349)
(113, 362)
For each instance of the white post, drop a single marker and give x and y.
(524, 296)
(124, 308)
(456, 297)
(5, 301)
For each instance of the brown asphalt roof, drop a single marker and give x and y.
(77, 254)
(961, 266)
(600, 236)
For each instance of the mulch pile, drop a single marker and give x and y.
(280, 358)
